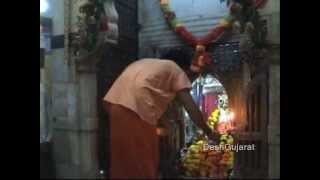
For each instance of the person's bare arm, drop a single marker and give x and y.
(195, 114)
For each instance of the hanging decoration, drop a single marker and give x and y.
(91, 22)
(257, 3)
(248, 12)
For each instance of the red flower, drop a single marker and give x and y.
(212, 36)
(186, 35)
(179, 28)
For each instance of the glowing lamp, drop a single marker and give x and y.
(226, 116)
(231, 115)
(161, 131)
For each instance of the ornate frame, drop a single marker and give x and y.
(71, 12)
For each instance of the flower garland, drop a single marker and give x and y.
(217, 162)
(224, 129)
(205, 162)
(213, 119)
(202, 58)
(257, 3)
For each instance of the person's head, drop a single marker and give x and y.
(182, 58)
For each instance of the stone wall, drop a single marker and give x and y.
(274, 121)
(271, 12)
(74, 110)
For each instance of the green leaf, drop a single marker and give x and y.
(174, 23)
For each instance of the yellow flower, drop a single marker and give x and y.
(230, 140)
(224, 23)
(223, 137)
(200, 142)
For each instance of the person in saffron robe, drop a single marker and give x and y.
(135, 103)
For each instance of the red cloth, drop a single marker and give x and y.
(209, 104)
(134, 145)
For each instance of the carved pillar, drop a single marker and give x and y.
(274, 113)
(82, 69)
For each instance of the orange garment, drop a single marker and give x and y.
(147, 87)
(138, 99)
(134, 145)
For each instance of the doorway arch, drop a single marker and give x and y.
(206, 90)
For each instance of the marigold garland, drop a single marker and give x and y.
(202, 162)
(202, 58)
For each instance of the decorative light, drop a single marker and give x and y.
(160, 131)
(223, 116)
(231, 115)
(226, 116)
(44, 6)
